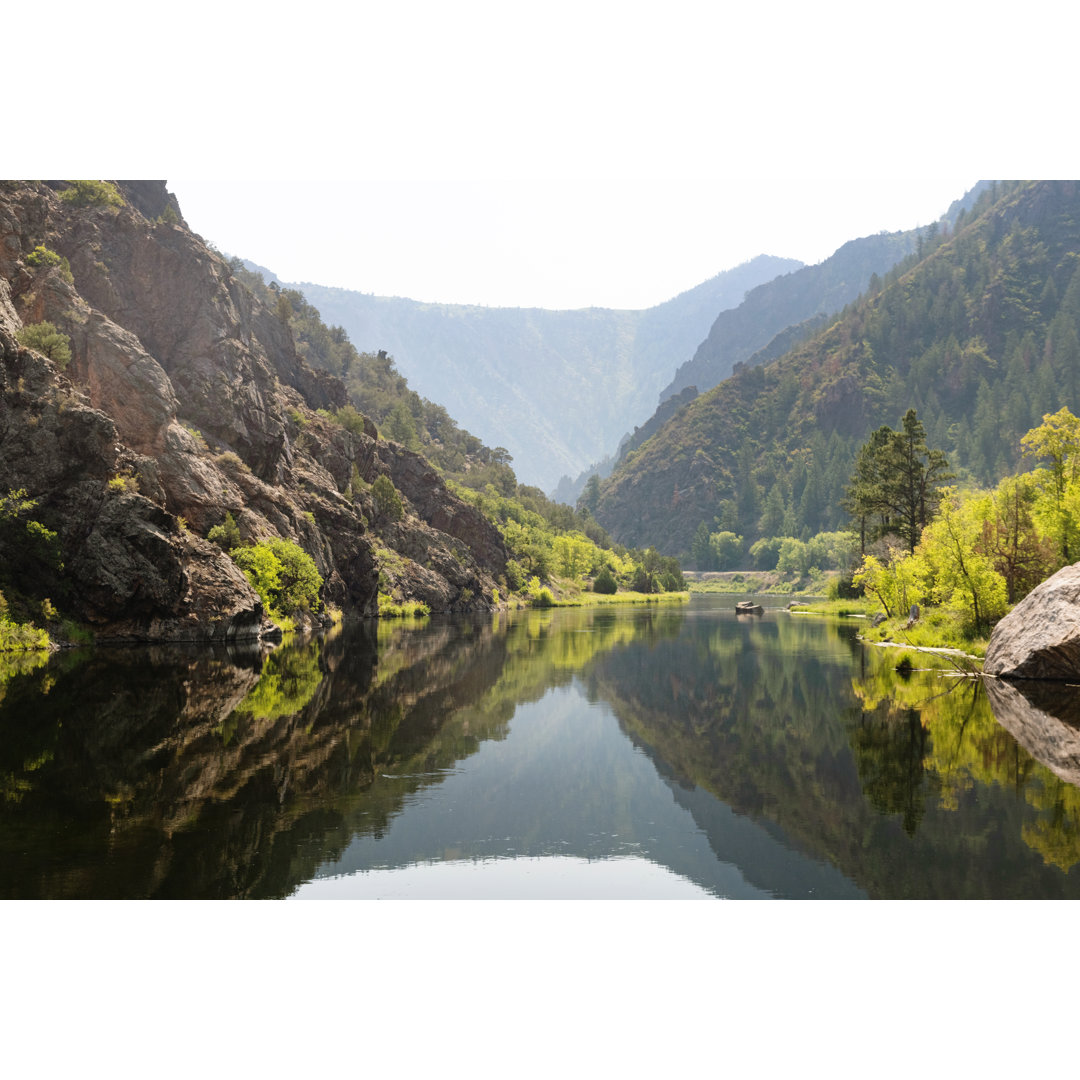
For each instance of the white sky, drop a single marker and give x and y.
(568, 154)
(552, 243)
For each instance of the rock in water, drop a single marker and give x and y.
(1040, 637)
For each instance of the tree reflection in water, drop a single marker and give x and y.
(172, 773)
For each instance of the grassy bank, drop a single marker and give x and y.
(591, 599)
(934, 630)
(767, 582)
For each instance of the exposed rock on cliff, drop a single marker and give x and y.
(184, 400)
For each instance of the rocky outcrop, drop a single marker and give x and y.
(1040, 637)
(185, 400)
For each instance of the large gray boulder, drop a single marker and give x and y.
(1040, 637)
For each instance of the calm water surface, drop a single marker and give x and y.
(659, 752)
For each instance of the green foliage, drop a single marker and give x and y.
(30, 554)
(20, 637)
(389, 608)
(124, 482)
(43, 337)
(401, 427)
(283, 574)
(574, 555)
(44, 257)
(540, 595)
(960, 574)
(350, 419)
(515, 575)
(1057, 442)
(227, 534)
(898, 582)
(726, 549)
(387, 498)
(92, 193)
(765, 553)
(605, 582)
(896, 482)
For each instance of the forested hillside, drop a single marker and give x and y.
(778, 313)
(557, 389)
(790, 300)
(978, 332)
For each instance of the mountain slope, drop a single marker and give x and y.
(981, 335)
(184, 400)
(818, 290)
(557, 389)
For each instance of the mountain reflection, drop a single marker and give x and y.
(769, 757)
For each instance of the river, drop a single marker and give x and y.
(673, 751)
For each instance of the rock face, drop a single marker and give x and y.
(1040, 637)
(185, 400)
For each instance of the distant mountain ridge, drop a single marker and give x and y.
(557, 389)
(786, 301)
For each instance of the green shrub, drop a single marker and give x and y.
(92, 193)
(42, 256)
(605, 582)
(670, 583)
(350, 419)
(389, 608)
(227, 534)
(126, 482)
(28, 550)
(540, 595)
(19, 637)
(44, 338)
(283, 574)
(515, 575)
(387, 498)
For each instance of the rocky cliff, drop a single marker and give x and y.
(184, 399)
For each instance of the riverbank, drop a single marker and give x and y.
(767, 582)
(934, 631)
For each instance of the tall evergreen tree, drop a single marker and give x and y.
(895, 483)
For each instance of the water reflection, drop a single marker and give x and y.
(774, 756)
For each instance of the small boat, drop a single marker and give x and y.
(748, 607)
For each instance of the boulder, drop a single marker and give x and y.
(748, 607)
(1040, 637)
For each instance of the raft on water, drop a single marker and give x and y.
(748, 607)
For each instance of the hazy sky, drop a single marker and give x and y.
(544, 243)
(579, 152)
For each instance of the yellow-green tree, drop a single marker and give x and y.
(1057, 442)
(960, 576)
(898, 582)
